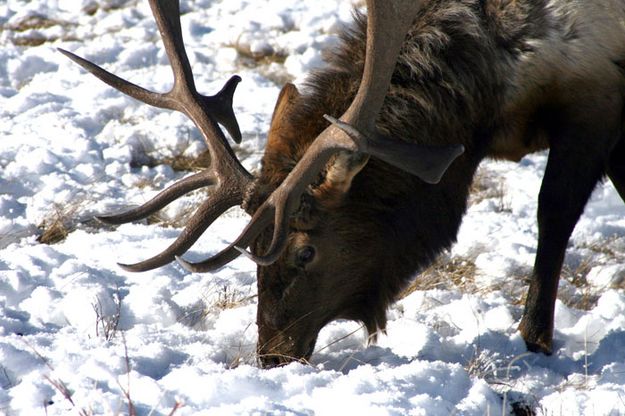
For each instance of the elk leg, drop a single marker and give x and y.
(616, 167)
(575, 165)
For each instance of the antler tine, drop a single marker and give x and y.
(204, 216)
(128, 88)
(259, 222)
(219, 105)
(183, 96)
(279, 205)
(167, 16)
(170, 194)
(388, 23)
(201, 109)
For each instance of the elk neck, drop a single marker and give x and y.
(451, 85)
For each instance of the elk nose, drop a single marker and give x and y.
(270, 361)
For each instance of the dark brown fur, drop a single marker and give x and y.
(499, 77)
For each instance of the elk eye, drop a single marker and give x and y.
(304, 255)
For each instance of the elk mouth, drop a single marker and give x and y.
(285, 352)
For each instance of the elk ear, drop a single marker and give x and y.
(338, 178)
(288, 95)
(428, 163)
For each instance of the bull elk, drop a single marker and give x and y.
(366, 172)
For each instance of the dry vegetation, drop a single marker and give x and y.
(179, 163)
(229, 298)
(31, 31)
(487, 185)
(106, 324)
(63, 219)
(268, 62)
(56, 227)
(583, 295)
(446, 273)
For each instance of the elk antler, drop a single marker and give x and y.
(226, 174)
(388, 23)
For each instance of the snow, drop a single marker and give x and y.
(79, 334)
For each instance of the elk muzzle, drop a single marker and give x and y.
(294, 343)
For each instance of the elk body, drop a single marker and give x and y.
(358, 206)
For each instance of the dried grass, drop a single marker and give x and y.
(269, 63)
(65, 218)
(599, 252)
(229, 298)
(106, 325)
(59, 223)
(179, 163)
(444, 273)
(487, 185)
(31, 30)
(56, 227)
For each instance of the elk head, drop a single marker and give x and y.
(304, 232)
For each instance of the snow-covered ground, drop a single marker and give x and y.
(78, 335)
